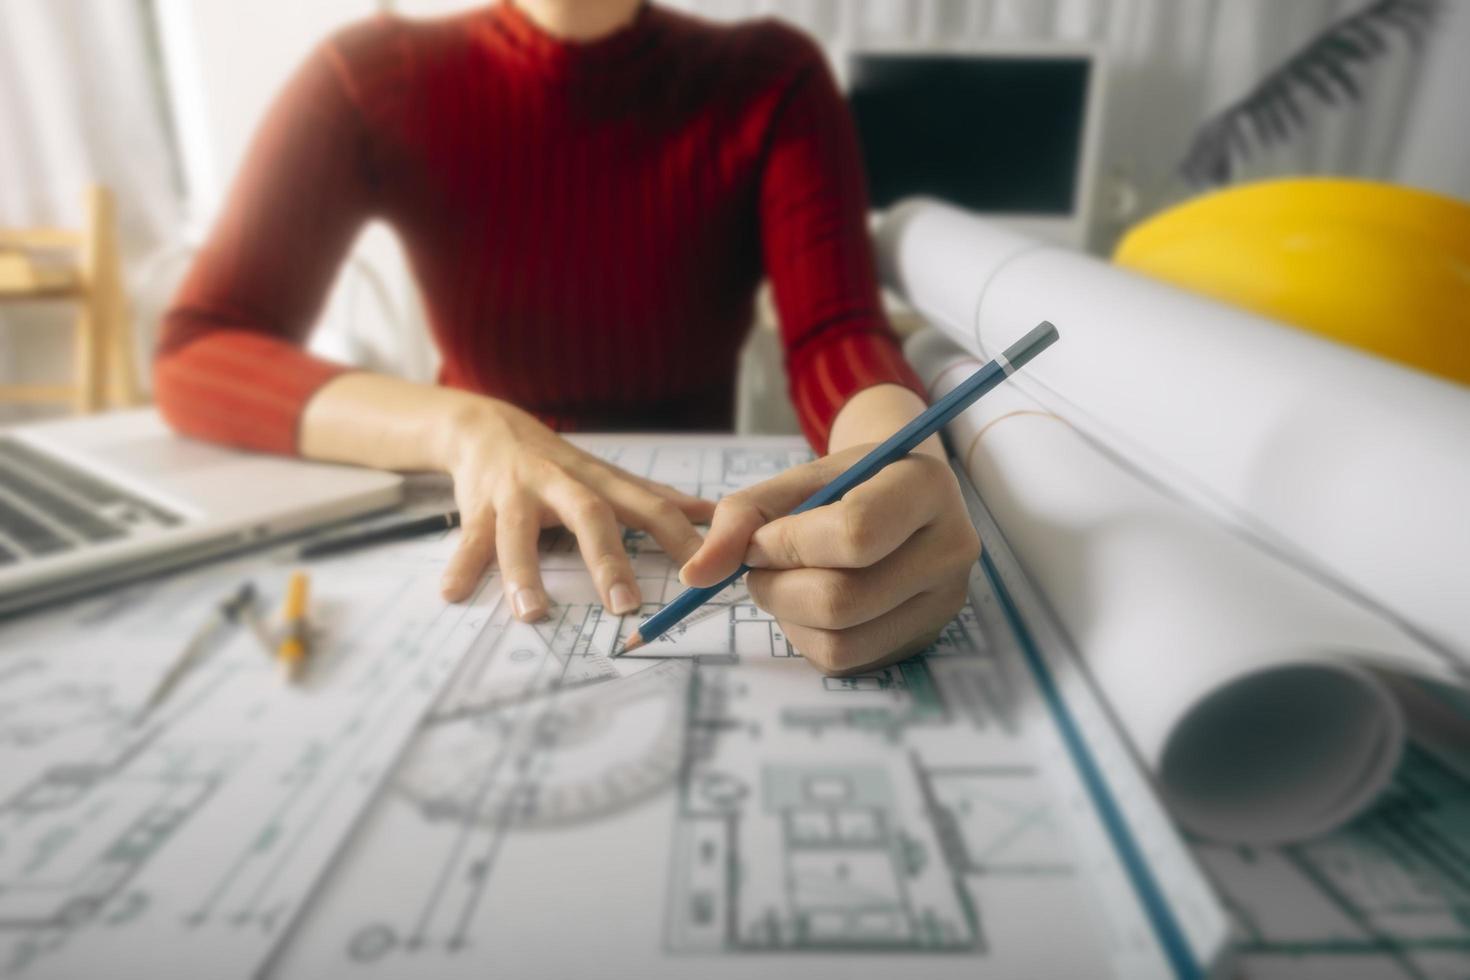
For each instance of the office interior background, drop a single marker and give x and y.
(1204, 715)
(157, 99)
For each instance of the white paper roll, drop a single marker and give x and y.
(1353, 466)
(1245, 684)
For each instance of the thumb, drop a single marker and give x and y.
(740, 515)
(724, 546)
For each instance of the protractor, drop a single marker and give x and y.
(572, 756)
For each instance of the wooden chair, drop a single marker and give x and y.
(83, 267)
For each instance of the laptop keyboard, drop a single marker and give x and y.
(48, 507)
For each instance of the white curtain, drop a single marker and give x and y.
(78, 104)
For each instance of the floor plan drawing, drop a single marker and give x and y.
(471, 785)
(1388, 896)
(716, 806)
(189, 837)
(64, 887)
(717, 787)
(797, 847)
(456, 793)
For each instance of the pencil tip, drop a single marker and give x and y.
(634, 642)
(293, 670)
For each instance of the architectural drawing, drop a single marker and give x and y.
(1387, 897)
(787, 843)
(186, 841)
(734, 801)
(729, 801)
(102, 820)
(127, 820)
(458, 793)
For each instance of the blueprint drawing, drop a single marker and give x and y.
(1386, 898)
(719, 808)
(184, 841)
(455, 793)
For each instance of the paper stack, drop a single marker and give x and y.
(1254, 537)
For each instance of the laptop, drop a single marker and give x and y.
(94, 501)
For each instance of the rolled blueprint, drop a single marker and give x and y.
(1253, 691)
(1350, 465)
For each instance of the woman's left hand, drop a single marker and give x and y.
(858, 584)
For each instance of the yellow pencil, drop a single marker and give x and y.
(293, 649)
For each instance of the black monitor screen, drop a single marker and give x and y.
(997, 134)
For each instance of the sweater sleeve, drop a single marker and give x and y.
(817, 252)
(230, 365)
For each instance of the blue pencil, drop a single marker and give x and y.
(896, 447)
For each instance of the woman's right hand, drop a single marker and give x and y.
(513, 476)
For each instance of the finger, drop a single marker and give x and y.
(895, 636)
(517, 534)
(597, 473)
(737, 517)
(660, 517)
(841, 598)
(696, 509)
(863, 527)
(592, 519)
(470, 559)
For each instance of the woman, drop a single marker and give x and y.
(588, 192)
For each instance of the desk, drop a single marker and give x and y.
(455, 793)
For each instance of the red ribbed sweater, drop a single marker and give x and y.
(587, 224)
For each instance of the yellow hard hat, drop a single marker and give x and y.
(1383, 268)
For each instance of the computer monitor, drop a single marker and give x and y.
(1007, 132)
